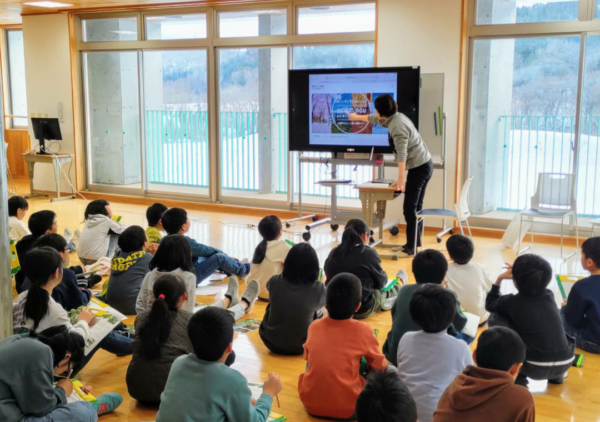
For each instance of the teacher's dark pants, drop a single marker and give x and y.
(416, 184)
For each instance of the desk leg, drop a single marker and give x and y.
(30, 169)
(57, 176)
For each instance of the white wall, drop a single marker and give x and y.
(48, 75)
(425, 33)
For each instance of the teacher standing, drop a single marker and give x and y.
(411, 154)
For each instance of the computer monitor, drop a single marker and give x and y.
(45, 129)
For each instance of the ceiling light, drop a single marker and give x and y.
(48, 4)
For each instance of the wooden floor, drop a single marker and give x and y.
(577, 400)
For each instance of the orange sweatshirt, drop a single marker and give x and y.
(334, 348)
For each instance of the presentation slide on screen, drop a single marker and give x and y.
(332, 95)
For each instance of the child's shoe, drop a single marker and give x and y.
(251, 294)
(232, 291)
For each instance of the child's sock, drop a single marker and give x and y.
(107, 403)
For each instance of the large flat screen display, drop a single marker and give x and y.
(320, 101)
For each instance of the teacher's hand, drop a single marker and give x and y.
(353, 116)
(399, 185)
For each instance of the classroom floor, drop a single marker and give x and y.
(577, 400)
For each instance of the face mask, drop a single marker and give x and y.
(66, 263)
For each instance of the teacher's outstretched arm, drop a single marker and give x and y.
(358, 117)
(401, 183)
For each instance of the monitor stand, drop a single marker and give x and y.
(43, 151)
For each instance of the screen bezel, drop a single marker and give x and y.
(408, 83)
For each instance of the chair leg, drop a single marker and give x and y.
(530, 246)
(462, 231)
(469, 227)
(562, 222)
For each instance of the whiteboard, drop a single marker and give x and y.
(432, 97)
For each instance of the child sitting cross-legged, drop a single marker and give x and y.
(28, 365)
(429, 267)
(385, 398)
(469, 280)
(17, 210)
(202, 388)
(334, 348)
(353, 255)
(128, 270)
(487, 391)
(100, 233)
(160, 338)
(296, 300)
(153, 215)
(428, 360)
(581, 314)
(533, 314)
(269, 255)
(205, 259)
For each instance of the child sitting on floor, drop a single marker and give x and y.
(581, 314)
(174, 257)
(430, 359)
(269, 254)
(429, 266)
(35, 310)
(40, 223)
(354, 256)
(334, 348)
(487, 391)
(189, 396)
(385, 398)
(205, 259)
(296, 300)
(153, 215)
(534, 315)
(17, 210)
(469, 280)
(129, 267)
(28, 365)
(160, 338)
(68, 293)
(100, 233)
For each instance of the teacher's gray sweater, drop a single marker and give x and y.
(409, 147)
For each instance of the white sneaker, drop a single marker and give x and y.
(232, 291)
(401, 274)
(76, 236)
(244, 261)
(68, 234)
(251, 294)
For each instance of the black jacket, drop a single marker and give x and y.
(23, 246)
(363, 262)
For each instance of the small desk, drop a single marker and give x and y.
(369, 196)
(57, 161)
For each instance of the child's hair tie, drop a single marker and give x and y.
(161, 296)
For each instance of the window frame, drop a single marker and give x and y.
(211, 43)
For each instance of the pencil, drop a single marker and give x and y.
(277, 397)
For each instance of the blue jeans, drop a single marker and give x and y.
(575, 337)
(80, 411)
(114, 343)
(204, 267)
(465, 337)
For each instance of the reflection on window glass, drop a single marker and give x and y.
(252, 23)
(598, 9)
(493, 12)
(176, 27)
(176, 114)
(113, 29)
(523, 105)
(332, 19)
(16, 74)
(112, 115)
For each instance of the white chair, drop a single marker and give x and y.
(554, 199)
(460, 213)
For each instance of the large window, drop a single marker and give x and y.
(526, 116)
(17, 92)
(194, 101)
